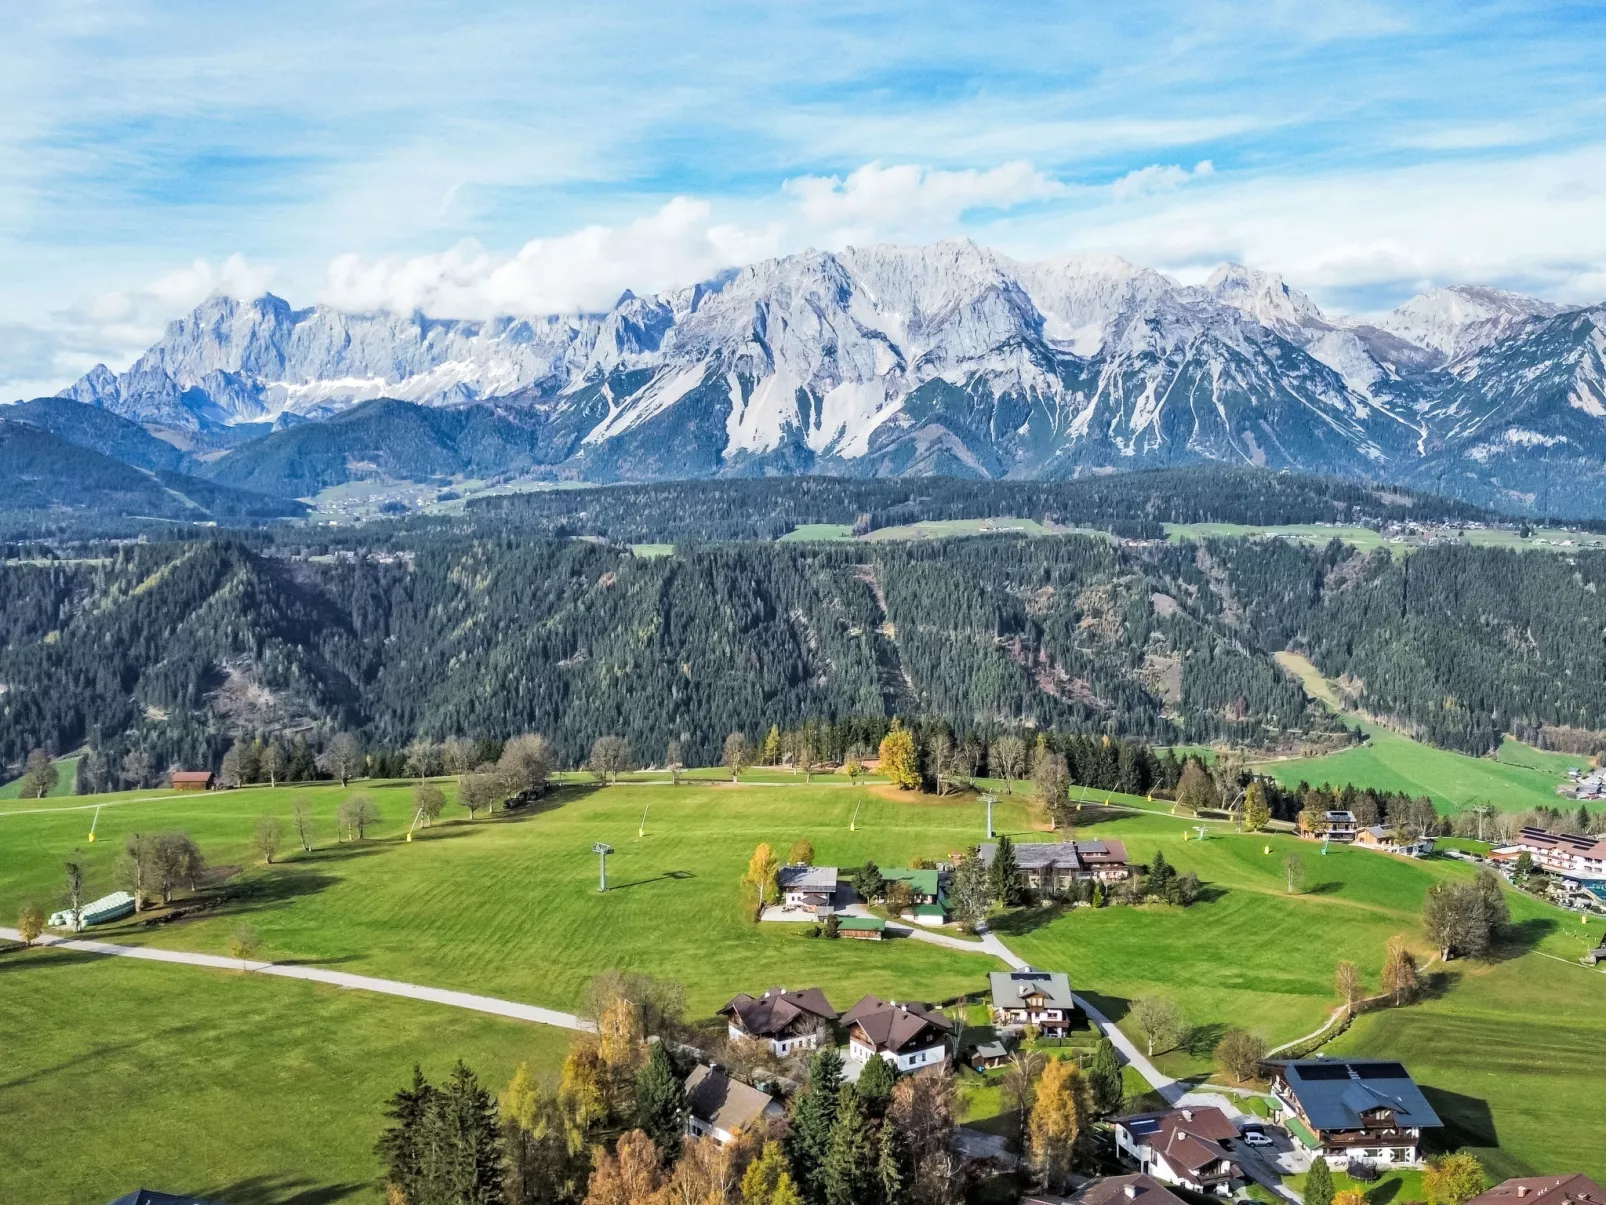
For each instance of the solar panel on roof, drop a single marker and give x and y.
(1316, 1071)
(1380, 1071)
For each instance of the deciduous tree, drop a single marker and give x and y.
(1294, 872)
(266, 838)
(343, 759)
(802, 853)
(1400, 978)
(429, 801)
(526, 763)
(760, 882)
(244, 942)
(274, 762)
(1052, 778)
(301, 818)
(1453, 1179)
(1348, 981)
(738, 754)
(1061, 1113)
(1163, 1023)
(40, 776)
(1006, 757)
(1240, 1053)
(898, 759)
(630, 1175)
(30, 923)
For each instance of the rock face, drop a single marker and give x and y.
(948, 358)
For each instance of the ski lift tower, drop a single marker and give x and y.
(989, 800)
(602, 849)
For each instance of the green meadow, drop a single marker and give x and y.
(508, 906)
(66, 771)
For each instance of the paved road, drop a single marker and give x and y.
(365, 983)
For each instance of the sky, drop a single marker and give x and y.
(539, 158)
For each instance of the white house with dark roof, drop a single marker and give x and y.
(788, 1021)
(720, 1107)
(911, 1036)
(1354, 1110)
(1056, 865)
(1029, 996)
(1187, 1147)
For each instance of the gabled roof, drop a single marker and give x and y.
(1335, 1093)
(1060, 855)
(1189, 1139)
(1543, 1190)
(778, 1011)
(1011, 987)
(896, 1027)
(1568, 843)
(189, 776)
(921, 882)
(807, 878)
(722, 1102)
(1128, 1190)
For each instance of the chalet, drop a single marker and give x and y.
(1393, 841)
(1353, 1110)
(1188, 1147)
(811, 888)
(191, 780)
(1055, 865)
(788, 1021)
(1032, 997)
(720, 1107)
(1572, 856)
(910, 1036)
(1543, 1190)
(1337, 826)
(1140, 1189)
(927, 892)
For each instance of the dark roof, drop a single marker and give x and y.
(897, 1027)
(1009, 988)
(778, 1011)
(1542, 1190)
(1334, 1093)
(725, 1103)
(1119, 1190)
(1188, 1138)
(1061, 855)
(147, 1196)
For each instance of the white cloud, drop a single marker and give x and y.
(1158, 178)
(906, 200)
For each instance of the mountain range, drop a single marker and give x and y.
(892, 360)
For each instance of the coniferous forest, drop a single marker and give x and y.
(172, 651)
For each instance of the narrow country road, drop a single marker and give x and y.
(365, 983)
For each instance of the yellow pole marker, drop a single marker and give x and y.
(93, 823)
(1268, 849)
(642, 830)
(853, 824)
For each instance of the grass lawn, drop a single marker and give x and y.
(233, 1087)
(67, 773)
(1391, 1188)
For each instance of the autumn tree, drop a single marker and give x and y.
(1257, 810)
(429, 801)
(1453, 1179)
(738, 754)
(1163, 1023)
(39, 776)
(30, 923)
(771, 754)
(479, 791)
(357, 815)
(1020, 1082)
(266, 838)
(1196, 790)
(1052, 778)
(526, 764)
(899, 761)
(343, 759)
(1240, 1053)
(1293, 872)
(1006, 757)
(243, 944)
(542, 1166)
(768, 1179)
(1400, 977)
(136, 867)
(583, 1092)
(802, 853)
(760, 884)
(1061, 1113)
(301, 819)
(1348, 981)
(273, 763)
(610, 757)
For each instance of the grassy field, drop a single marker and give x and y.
(936, 529)
(1520, 777)
(67, 771)
(237, 1088)
(1544, 539)
(509, 907)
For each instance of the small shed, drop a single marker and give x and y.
(191, 780)
(864, 928)
(989, 1054)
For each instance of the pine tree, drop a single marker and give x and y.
(852, 1154)
(1003, 873)
(1257, 811)
(1104, 1078)
(399, 1145)
(763, 1177)
(661, 1102)
(461, 1151)
(813, 1115)
(875, 1085)
(1319, 1184)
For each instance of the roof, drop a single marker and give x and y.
(1119, 1190)
(147, 1196)
(897, 1027)
(1009, 987)
(1338, 817)
(189, 776)
(807, 878)
(1188, 1138)
(778, 1011)
(861, 924)
(1542, 1190)
(724, 1103)
(1060, 855)
(1334, 1093)
(1569, 843)
(922, 882)
(992, 1050)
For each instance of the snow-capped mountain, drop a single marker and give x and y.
(889, 359)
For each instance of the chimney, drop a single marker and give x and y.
(1132, 1191)
(1522, 1190)
(1187, 1115)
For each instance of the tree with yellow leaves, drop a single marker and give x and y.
(899, 761)
(1257, 811)
(541, 1164)
(583, 1093)
(623, 1044)
(1061, 1114)
(1350, 1196)
(631, 1175)
(760, 885)
(768, 1176)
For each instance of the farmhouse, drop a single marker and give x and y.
(1573, 856)
(1182, 1146)
(1543, 1190)
(1393, 841)
(910, 1036)
(811, 888)
(1353, 1109)
(929, 899)
(721, 1107)
(1336, 826)
(788, 1021)
(1055, 865)
(191, 780)
(1032, 997)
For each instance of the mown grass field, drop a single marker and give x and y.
(66, 771)
(237, 1088)
(509, 907)
(1518, 778)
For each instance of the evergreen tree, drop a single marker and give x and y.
(1003, 874)
(461, 1152)
(971, 896)
(1319, 1184)
(875, 1085)
(852, 1154)
(813, 1115)
(399, 1146)
(1104, 1078)
(661, 1101)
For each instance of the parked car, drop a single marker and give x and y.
(1256, 1138)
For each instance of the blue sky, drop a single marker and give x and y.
(537, 157)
